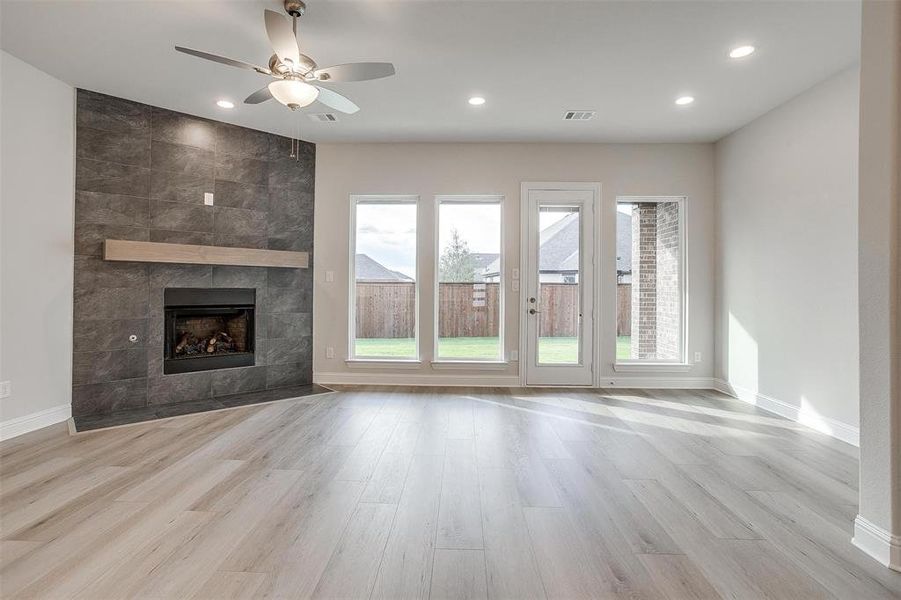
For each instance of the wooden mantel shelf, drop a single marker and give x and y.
(202, 255)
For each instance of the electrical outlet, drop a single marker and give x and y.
(514, 285)
(514, 354)
(697, 357)
(330, 352)
(515, 273)
(329, 276)
(6, 389)
(208, 198)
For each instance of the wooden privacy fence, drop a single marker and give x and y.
(388, 309)
(624, 309)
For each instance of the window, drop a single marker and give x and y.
(383, 278)
(469, 298)
(559, 288)
(650, 248)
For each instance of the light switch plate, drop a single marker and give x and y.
(697, 357)
(329, 276)
(515, 273)
(208, 198)
(514, 285)
(6, 389)
(330, 352)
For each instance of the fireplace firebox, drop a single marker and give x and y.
(208, 329)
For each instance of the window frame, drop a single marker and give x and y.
(499, 200)
(356, 200)
(680, 363)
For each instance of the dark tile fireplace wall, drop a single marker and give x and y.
(141, 174)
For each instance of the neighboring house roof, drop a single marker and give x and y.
(368, 269)
(485, 263)
(481, 260)
(559, 246)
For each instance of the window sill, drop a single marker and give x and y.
(383, 363)
(651, 367)
(474, 365)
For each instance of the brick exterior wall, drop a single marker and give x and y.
(656, 300)
(668, 297)
(644, 281)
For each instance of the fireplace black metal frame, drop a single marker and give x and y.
(179, 302)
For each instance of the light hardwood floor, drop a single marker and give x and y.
(441, 493)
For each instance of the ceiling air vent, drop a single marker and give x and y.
(323, 117)
(579, 115)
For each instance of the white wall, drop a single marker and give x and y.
(877, 529)
(786, 250)
(37, 156)
(433, 169)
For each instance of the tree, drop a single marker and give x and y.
(456, 264)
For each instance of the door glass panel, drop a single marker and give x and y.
(559, 284)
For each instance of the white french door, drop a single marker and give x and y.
(558, 279)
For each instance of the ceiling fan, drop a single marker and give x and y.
(297, 76)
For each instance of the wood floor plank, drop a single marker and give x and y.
(844, 578)
(511, 569)
(387, 482)
(406, 567)
(295, 543)
(40, 569)
(460, 514)
(678, 577)
(190, 566)
(235, 586)
(458, 575)
(11, 550)
(354, 564)
(122, 569)
(565, 566)
(18, 517)
(718, 563)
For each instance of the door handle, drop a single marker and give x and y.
(532, 311)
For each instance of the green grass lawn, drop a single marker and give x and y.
(551, 350)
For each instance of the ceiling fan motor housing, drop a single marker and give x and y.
(295, 8)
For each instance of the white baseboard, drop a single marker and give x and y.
(837, 429)
(878, 543)
(673, 383)
(21, 425)
(402, 378)
(493, 380)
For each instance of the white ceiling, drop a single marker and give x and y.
(531, 60)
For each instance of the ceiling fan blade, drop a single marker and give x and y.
(258, 96)
(355, 71)
(281, 36)
(336, 101)
(223, 60)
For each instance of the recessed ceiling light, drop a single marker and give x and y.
(683, 100)
(742, 51)
(477, 101)
(225, 104)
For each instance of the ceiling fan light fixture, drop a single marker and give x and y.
(293, 93)
(742, 51)
(225, 104)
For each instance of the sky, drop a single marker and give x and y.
(387, 233)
